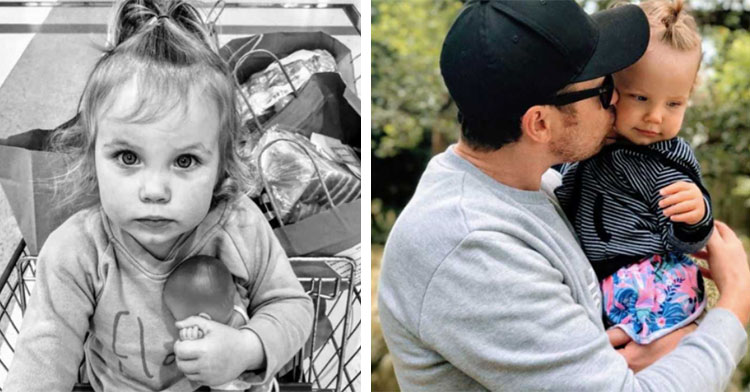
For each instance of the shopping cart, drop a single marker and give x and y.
(326, 363)
(333, 365)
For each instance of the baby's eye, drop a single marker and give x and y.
(185, 161)
(640, 98)
(674, 104)
(127, 158)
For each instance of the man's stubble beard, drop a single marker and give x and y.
(571, 145)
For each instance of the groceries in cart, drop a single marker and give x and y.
(166, 181)
(301, 177)
(269, 91)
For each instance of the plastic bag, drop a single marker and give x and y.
(269, 91)
(287, 167)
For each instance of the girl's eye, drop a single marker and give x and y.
(128, 158)
(185, 161)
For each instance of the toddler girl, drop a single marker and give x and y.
(639, 205)
(156, 143)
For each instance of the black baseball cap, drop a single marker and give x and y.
(504, 56)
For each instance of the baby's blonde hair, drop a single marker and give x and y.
(672, 24)
(165, 48)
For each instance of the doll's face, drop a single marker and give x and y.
(156, 179)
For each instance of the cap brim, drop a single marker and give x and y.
(623, 38)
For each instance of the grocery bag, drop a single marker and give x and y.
(325, 104)
(326, 233)
(27, 173)
(284, 44)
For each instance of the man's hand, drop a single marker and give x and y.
(221, 355)
(729, 269)
(683, 202)
(617, 337)
(640, 356)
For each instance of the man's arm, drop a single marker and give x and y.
(501, 313)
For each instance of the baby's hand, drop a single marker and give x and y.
(191, 333)
(222, 355)
(683, 202)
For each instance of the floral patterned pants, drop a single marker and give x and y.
(653, 297)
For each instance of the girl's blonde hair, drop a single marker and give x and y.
(672, 24)
(165, 48)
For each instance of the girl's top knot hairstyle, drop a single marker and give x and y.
(672, 24)
(165, 50)
(154, 17)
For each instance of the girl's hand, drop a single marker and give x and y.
(221, 355)
(683, 202)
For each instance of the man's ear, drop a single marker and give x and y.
(537, 123)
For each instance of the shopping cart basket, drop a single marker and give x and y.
(329, 365)
(337, 300)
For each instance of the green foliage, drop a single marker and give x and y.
(382, 221)
(717, 124)
(409, 101)
(408, 96)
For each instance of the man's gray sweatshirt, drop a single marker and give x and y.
(484, 286)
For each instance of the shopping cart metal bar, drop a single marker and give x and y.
(322, 282)
(326, 286)
(11, 264)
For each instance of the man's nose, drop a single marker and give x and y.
(155, 188)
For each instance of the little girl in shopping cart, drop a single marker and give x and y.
(155, 145)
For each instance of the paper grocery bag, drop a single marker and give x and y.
(323, 234)
(26, 175)
(324, 106)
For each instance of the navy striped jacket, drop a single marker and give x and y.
(611, 199)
